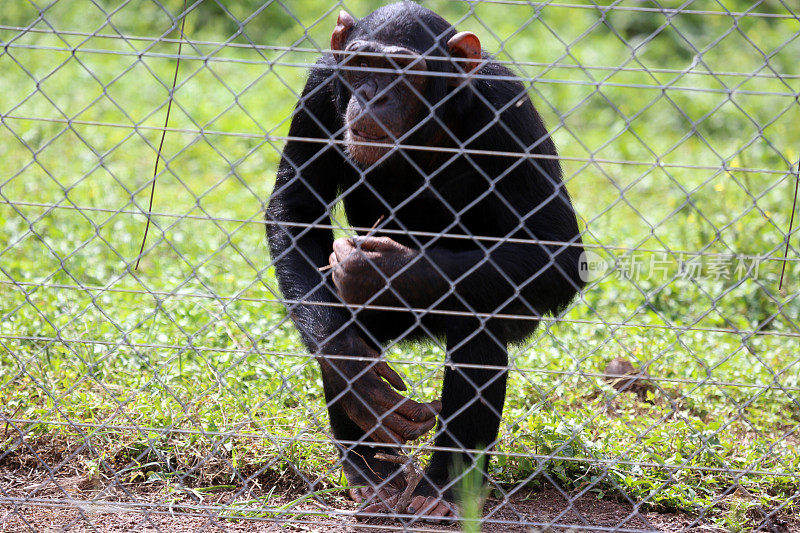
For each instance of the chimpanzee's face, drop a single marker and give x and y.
(386, 85)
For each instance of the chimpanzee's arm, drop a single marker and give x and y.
(306, 185)
(485, 277)
(305, 188)
(544, 276)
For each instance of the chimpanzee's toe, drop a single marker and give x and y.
(432, 508)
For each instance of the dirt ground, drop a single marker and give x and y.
(33, 502)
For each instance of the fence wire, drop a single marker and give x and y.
(649, 359)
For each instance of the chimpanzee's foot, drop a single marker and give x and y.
(430, 502)
(376, 484)
(433, 507)
(375, 497)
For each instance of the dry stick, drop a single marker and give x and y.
(369, 234)
(163, 134)
(413, 475)
(791, 223)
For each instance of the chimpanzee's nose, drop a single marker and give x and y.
(367, 92)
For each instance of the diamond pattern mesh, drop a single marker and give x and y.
(181, 395)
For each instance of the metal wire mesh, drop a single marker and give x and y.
(665, 397)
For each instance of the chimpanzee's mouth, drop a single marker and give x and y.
(361, 135)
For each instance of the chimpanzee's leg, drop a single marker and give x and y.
(472, 404)
(379, 479)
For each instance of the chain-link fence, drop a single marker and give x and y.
(619, 357)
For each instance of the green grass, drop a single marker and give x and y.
(162, 364)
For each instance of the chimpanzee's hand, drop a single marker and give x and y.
(362, 266)
(367, 398)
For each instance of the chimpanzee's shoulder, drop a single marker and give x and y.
(323, 71)
(499, 84)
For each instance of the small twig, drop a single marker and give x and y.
(369, 234)
(791, 223)
(413, 475)
(392, 458)
(163, 134)
(374, 226)
(14, 414)
(366, 463)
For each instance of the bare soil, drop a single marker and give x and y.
(35, 502)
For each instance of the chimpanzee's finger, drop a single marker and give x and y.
(407, 429)
(418, 505)
(377, 244)
(357, 494)
(390, 375)
(383, 506)
(407, 408)
(336, 276)
(423, 505)
(442, 510)
(332, 259)
(362, 348)
(380, 432)
(430, 508)
(436, 405)
(343, 247)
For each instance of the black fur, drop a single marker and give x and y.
(450, 193)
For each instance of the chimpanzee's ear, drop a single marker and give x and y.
(343, 25)
(466, 45)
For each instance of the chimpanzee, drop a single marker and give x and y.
(411, 125)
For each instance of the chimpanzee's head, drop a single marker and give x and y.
(394, 69)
